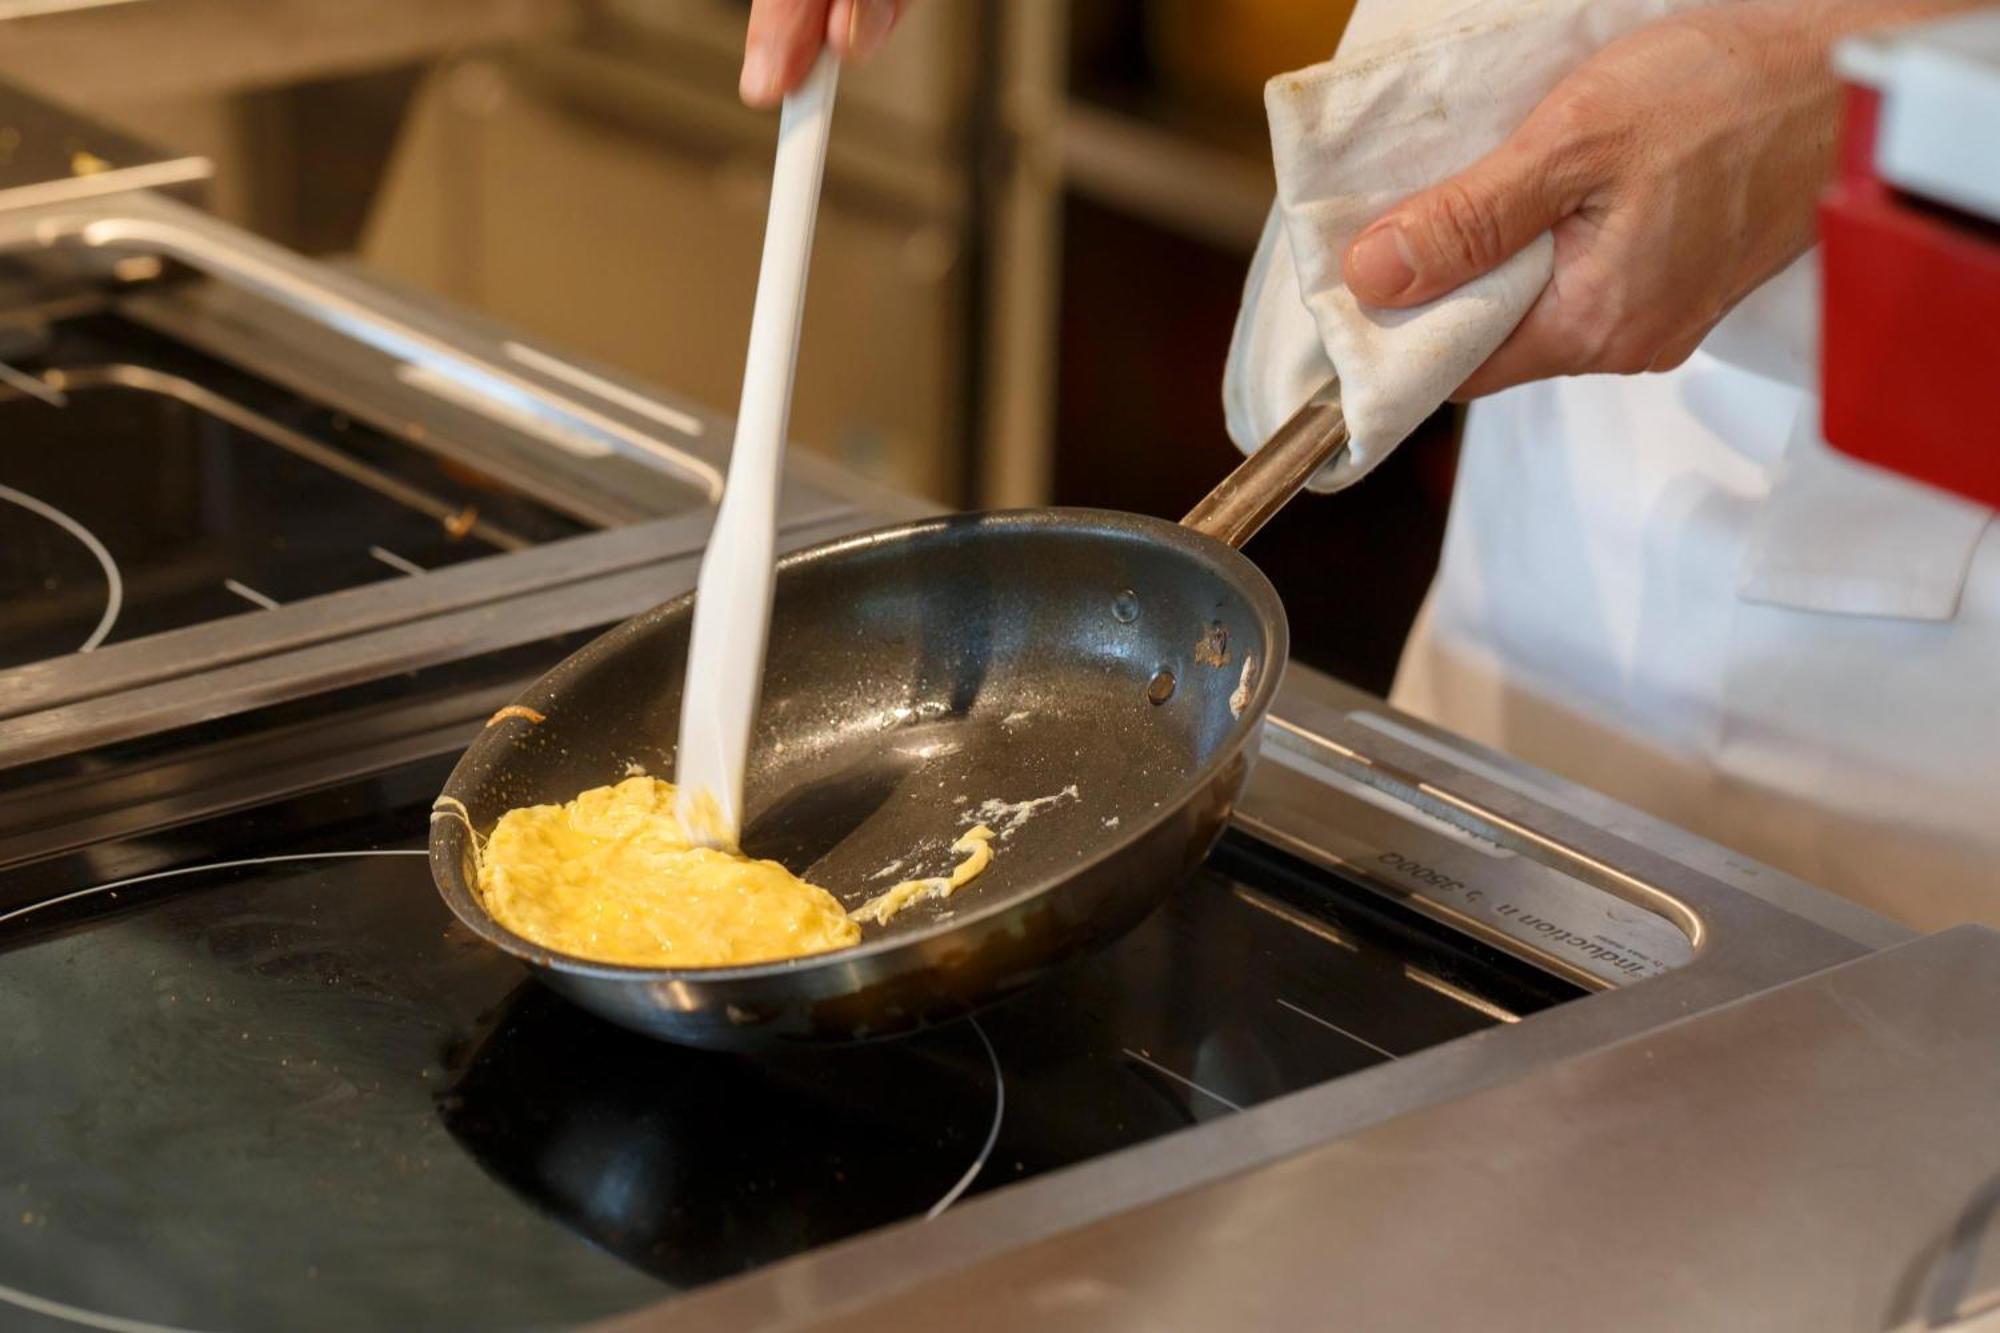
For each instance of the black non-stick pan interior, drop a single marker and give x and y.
(1059, 675)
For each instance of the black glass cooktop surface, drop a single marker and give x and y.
(257, 1077)
(145, 486)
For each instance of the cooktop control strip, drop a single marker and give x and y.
(1453, 875)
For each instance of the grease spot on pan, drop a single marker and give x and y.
(1212, 648)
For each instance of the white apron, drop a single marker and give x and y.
(1666, 588)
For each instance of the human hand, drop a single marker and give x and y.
(786, 35)
(1678, 169)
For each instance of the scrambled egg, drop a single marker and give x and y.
(612, 876)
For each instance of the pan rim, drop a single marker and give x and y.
(445, 835)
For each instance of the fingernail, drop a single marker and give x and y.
(759, 84)
(868, 24)
(1379, 267)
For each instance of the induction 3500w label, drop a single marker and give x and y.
(1458, 875)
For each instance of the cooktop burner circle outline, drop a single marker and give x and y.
(60, 899)
(114, 596)
(110, 1323)
(82, 1318)
(957, 1191)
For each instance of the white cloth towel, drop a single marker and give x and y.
(1420, 90)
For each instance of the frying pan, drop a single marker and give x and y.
(1087, 683)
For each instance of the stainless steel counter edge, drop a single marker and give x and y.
(1309, 697)
(462, 359)
(574, 400)
(1750, 945)
(1818, 1157)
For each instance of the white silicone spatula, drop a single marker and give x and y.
(732, 603)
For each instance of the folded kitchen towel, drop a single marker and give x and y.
(1419, 90)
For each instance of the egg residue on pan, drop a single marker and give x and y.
(975, 845)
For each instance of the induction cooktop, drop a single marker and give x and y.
(147, 486)
(275, 1084)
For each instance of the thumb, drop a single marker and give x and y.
(1453, 232)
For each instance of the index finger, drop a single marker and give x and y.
(784, 38)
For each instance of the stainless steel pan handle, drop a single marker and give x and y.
(1263, 483)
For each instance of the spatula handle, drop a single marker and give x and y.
(732, 607)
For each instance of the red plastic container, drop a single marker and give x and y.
(1910, 338)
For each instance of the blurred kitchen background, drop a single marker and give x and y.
(1037, 221)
